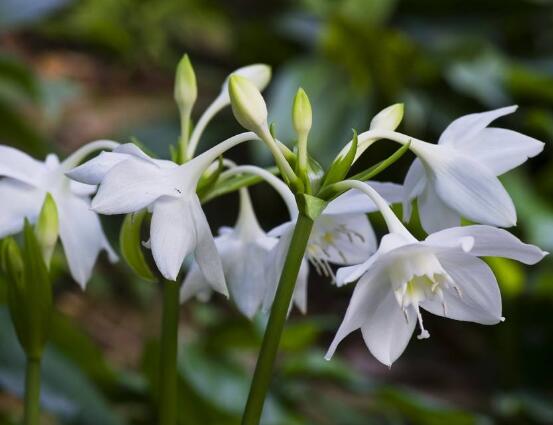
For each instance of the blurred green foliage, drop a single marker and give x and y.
(353, 57)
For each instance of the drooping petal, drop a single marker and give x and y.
(434, 214)
(133, 185)
(502, 150)
(195, 285)
(82, 189)
(205, 252)
(414, 184)
(388, 330)
(81, 235)
(172, 234)
(369, 293)
(300, 291)
(463, 129)
(93, 171)
(20, 166)
(467, 186)
(488, 241)
(477, 299)
(18, 201)
(355, 201)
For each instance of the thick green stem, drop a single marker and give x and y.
(168, 355)
(32, 392)
(281, 304)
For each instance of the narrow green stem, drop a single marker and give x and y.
(281, 304)
(168, 355)
(32, 392)
(184, 136)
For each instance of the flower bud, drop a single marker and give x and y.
(247, 103)
(47, 228)
(186, 90)
(259, 75)
(389, 118)
(301, 114)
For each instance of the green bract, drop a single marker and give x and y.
(130, 242)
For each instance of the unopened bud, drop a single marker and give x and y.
(301, 114)
(186, 90)
(47, 228)
(248, 105)
(389, 118)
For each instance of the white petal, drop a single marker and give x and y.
(134, 184)
(172, 234)
(502, 150)
(342, 238)
(81, 235)
(467, 186)
(463, 129)
(371, 290)
(488, 241)
(414, 184)
(206, 254)
(195, 285)
(479, 300)
(434, 214)
(355, 201)
(93, 171)
(82, 189)
(300, 291)
(18, 201)
(20, 166)
(388, 330)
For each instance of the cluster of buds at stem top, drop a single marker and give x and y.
(250, 111)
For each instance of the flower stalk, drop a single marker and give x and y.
(32, 391)
(168, 355)
(279, 311)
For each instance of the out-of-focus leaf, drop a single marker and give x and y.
(510, 275)
(130, 242)
(18, 12)
(65, 391)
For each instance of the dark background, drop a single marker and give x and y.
(75, 71)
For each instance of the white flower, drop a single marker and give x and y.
(129, 180)
(23, 187)
(243, 251)
(457, 177)
(442, 275)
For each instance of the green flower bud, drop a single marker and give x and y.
(301, 114)
(247, 103)
(389, 118)
(186, 90)
(47, 228)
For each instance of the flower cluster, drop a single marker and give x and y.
(397, 277)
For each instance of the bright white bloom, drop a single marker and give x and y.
(246, 252)
(130, 180)
(457, 177)
(23, 187)
(442, 275)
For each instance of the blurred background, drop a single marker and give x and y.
(75, 71)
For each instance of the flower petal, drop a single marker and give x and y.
(93, 171)
(81, 235)
(20, 166)
(195, 285)
(434, 214)
(463, 129)
(414, 184)
(467, 186)
(355, 201)
(18, 201)
(172, 234)
(488, 241)
(205, 253)
(371, 290)
(502, 150)
(479, 299)
(389, 330)
(132, 185)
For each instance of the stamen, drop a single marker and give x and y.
(424, 333)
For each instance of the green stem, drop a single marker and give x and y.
(184, 136)
(32, 392)
(168, 355)
(264, 368)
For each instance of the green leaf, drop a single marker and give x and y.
(130, 242)
(341, 164)
(382, 165)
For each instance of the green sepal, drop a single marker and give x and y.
(130, 243)
(382, 165)
(30, 297)
(208, 179)
(341, 164)
(310, 206)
